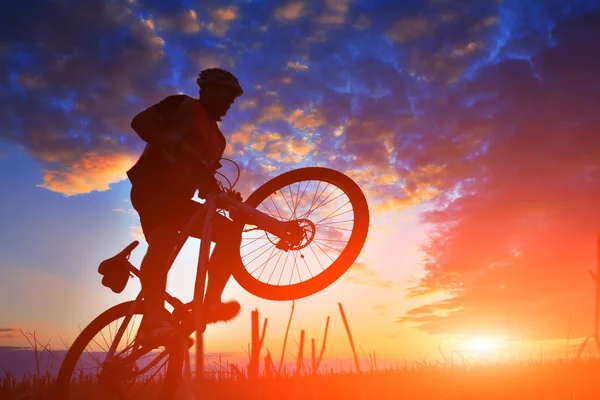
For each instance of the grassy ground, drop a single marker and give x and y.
(549, 380)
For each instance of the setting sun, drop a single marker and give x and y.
(485, 344)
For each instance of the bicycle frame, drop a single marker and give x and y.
(244, 212)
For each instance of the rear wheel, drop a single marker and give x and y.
(333, 214)
(133, 372)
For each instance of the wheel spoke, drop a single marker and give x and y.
(317, 258)
(292, 209)
(323, 203)
(276, 208)
(336, 222)
(333, 215)
(310, 209)
(327, 254)
(258, 248)
(265, 263)
(331, 240)
(283, 269)
(339, 229)
(253, 240)
(275, 267)
(268, 210)
(333, 248)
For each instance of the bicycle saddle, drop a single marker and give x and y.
(115, 270)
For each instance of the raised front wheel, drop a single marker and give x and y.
(332, 213)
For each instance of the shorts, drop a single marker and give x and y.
(158, 208)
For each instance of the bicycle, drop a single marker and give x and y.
(273, 221)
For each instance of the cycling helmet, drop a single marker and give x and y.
(220, 77)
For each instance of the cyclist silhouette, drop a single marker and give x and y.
(182, 153)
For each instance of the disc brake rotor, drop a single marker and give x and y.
(308, 233)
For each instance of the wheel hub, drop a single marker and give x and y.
(116, 372)
(302, 232)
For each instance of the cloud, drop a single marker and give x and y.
(289, 150)
(242, 136)
(221, 18)
(185, 21)
(361, 274)
(510, 246)
(271, 113)
(304, 120)
(137, 233)
(260, 140)
(92, 172)
(336, 11)
(291, 10)
(71, 106)
(408, 29)
(9, 333)
(362, 22)
(202, 58)
(296, 65)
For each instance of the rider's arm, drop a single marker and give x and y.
(153, 124)
(149, 125)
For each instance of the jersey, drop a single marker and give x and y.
(201, 133)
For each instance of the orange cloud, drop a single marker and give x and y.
(306, 120)
(137, 233)
(298, 66)
(9, 333)
(92, 172)
(260, 140)
(289, 150)
(247, 104)
(220, 19)
(290, 11)
(242, 136)
(271, 113)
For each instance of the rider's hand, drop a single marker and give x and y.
(235, 194)
(207, 186)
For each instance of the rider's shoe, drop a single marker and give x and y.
(158, 332)
(222, 311)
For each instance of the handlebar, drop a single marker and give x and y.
(248, 214)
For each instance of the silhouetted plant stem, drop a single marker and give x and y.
(287, 330)
(349, 337)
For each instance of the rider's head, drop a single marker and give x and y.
(218, 90)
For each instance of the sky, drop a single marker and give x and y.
(471, 126)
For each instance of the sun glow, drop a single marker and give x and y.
(483, 345)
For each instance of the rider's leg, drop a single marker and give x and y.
(219, 271)
(158, 217)
(154, 270)
(222, 258)
(220, 266)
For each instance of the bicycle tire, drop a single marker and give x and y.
(63, 382)
(344, 260)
